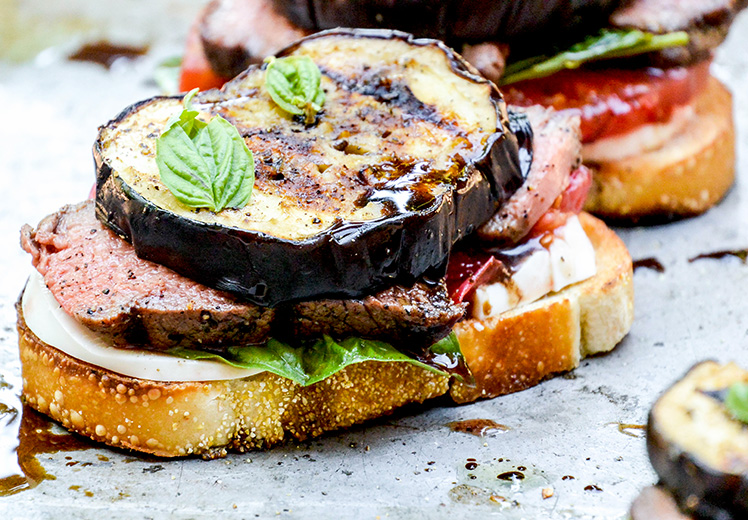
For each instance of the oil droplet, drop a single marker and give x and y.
(625, 427)
(511, 475)
(478, 427)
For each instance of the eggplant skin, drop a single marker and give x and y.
(699, 452)
(454, 20)
(349, 258)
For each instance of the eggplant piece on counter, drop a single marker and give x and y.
(699, 451)
(410, 153)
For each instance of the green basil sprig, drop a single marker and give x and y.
(736, 401)
(205, 165)
(294, 84)
(317, 360)
(607, 44)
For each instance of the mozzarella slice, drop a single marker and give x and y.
(570, 258)
(53, 326)
(642, 139)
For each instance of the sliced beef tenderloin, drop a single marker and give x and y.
(556, 151)
(97, 278)
(416, 316)
(237, 33)
(706, 21)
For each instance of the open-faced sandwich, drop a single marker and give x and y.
(656, 127)
(355, 225)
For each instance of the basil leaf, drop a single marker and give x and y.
(293, 83)
(166, 74)
(317, 360)
(607, 44)
(205, 165)
(737, 401)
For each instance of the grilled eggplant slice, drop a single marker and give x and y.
(699, 451)
(410, 153)
(471, 20)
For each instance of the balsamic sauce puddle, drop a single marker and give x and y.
(25, 434)
(106, 53)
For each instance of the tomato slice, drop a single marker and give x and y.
(613, 101)
(472, 267)
(196, 71)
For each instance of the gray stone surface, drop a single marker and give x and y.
(407, 466)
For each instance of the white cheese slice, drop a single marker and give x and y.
(53, 326)
(570, 258)
(642, 139)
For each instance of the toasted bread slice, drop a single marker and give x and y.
(513, 352)
(522, 347)
(687, 176)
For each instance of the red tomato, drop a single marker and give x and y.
(613, 101)
(570, 203)
(196, 71)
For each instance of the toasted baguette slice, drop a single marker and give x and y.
(686, 177)
(522, 347)
(173, 419)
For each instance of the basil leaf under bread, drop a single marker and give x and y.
(317, 360)
(608, 44)
(205, 165)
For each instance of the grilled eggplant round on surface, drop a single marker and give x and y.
(455, 19)
(410, 153)
(699, 451)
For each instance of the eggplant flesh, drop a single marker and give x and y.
(699, 451)
(410, 153)
(454, 20)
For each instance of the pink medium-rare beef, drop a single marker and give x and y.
(706, 21)
(97, 278)
(488, 57)
(237, 33)
(556, 151)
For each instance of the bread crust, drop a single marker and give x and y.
(686, 177)
(208, 418)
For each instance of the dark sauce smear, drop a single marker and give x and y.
(105, 53)
(649, 263)
(478, 427)
(23, 436)
(742, 254)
